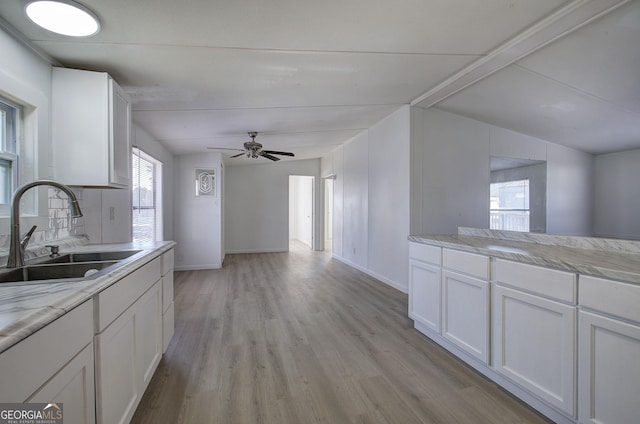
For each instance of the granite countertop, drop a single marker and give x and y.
(24, 309)
(607, 258)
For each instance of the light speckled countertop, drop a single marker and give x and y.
(24, 309)
(607, 258)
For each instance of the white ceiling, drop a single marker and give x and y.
(310, 75)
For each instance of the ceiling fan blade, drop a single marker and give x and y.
(239, 154)
(224, 148)
(273, 152)
(268, 156)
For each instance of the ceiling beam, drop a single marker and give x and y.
(563, 21)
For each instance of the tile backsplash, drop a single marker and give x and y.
(61, 224)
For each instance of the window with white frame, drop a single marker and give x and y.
(9, 119)
(509, 206)
(146, 197)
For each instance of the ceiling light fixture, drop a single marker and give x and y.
(64, 17)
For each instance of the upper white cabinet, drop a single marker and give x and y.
(91, 122)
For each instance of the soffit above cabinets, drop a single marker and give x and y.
(308, 76)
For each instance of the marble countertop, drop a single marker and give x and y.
(607, 258)
(24, 309)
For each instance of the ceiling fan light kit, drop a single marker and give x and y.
(253, 149)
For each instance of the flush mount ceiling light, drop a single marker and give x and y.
(64, 17)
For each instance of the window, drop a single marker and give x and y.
(509, 205)
(9, 115)
(147, 193)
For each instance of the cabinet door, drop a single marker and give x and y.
(609, 370)
(465, 313)
(148, 334)
(73, 387)
(534, 345)
(117, 392)
(120, 142)
(424, 294)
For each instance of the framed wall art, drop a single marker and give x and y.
(205, 182)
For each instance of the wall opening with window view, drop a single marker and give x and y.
(519, 208)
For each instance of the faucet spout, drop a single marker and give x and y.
(16, 246)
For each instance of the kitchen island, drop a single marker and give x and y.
(552, 319)
(91, 343)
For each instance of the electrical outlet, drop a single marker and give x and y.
(112, 213)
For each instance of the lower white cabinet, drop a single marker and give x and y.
(54, 364)
(424, 294)
(127, 353)
(534, 345)
(128, 345)
(465, 313)
(609, 356)
(167, 299)
(609, 371)
(424, 286)
(73, 386)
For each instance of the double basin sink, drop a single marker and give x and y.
(68, 266)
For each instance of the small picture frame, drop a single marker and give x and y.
(205, 182)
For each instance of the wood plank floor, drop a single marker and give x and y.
(301, 338)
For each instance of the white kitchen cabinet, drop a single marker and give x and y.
(73, 386)
(54, 364)
(424, 286)
(167, 299)
(534, 345)
(128, 343)
(91, 129)
(466, 302)
(609, 355)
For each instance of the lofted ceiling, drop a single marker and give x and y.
(309, 76)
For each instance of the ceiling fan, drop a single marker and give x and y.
(253, 149)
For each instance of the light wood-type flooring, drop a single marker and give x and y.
(301, 338)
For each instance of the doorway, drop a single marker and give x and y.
(301, 195)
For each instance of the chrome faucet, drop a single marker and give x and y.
(17, 247)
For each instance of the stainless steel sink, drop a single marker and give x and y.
(55, 271)
(92, 256)
(68, 266)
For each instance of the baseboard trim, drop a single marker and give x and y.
(231, 252)
(197, 267)
(387, 281)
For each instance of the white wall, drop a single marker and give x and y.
(617, 195)
(371, 199)
(197, 219)
(451, 173)
(257, 205)
(25, 79)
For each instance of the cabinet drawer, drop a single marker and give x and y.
(425, 253)
(30, 363)
(611, 297)
(560, 285)
(466, 263)
(117, 298)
